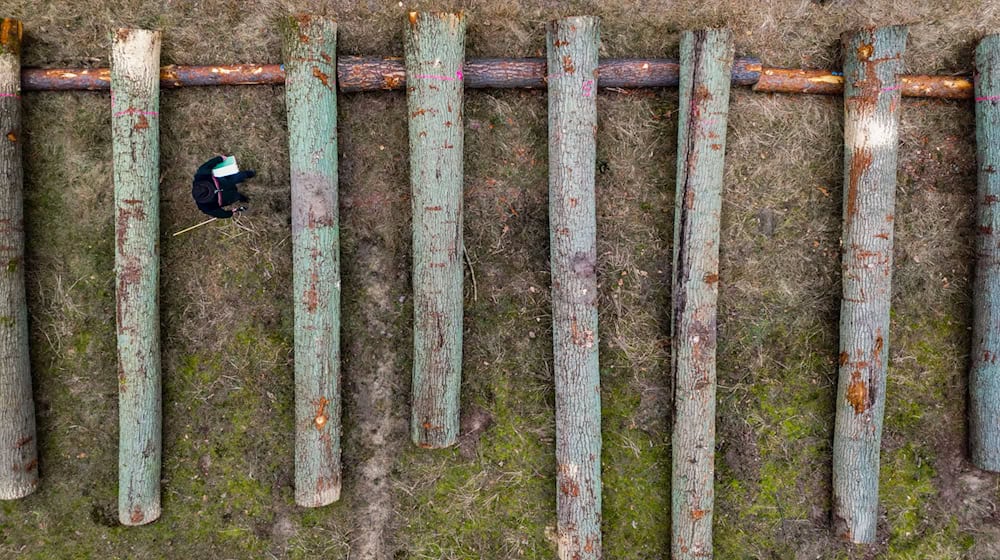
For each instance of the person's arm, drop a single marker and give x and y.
(216, 211)
(205, 170)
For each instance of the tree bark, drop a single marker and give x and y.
(372, 73)
(135, 93)
(872, 68)
(311, 96)
(706, 61)
(827, 82)
(984, 376)
(18, 451)
(572, 74)
(435, 49)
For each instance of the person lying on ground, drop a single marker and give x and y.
(212, 194)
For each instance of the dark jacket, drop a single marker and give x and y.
(211, 194)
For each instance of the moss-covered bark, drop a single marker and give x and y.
(18, 447)
(435, 50)
(310, 45)
(135, 98)
(572, 57)
(984, 376)
(706, 63)
(872, 66)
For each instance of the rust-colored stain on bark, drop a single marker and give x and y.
(11, 136)
(689, 199)
(141, 124)
(697, 514)
(865, 51)
(701, 94)
(844, 358)
(23, 441)
(716, 147)
(560, 43)
(990, 199)
(569, 488)
(567, 63)
(321, 416)
(311, 297)
(861, 159)
(136, 516)
(325, 483)
(413, 18)
(882, 235)
(878, 345)
(321, 76)
(857, 393)
(986, 230)
(581, 337)
(392, 81)
(711, 278)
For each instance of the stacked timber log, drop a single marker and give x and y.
(435, 49)
(135, 128)
(984, 377)
(872, 67)
(311, 99)
(706, 60)
(18, 448)
(572, 63)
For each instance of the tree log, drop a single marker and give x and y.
(135, 97)
(435, 49)
(310, 45)
(706, 59)
(572, 72)
(872, 68)
(18, 451)
(984, 376)
(827, 82)
(372, 73)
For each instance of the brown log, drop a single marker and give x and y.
(826, 82)
(369, 73)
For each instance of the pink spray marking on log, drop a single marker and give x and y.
(456, 78)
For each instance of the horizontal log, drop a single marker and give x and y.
(369, 73)
(826, 82)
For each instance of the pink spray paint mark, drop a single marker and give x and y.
(137, 112)
(458, 77)
(10, 95)
(988, 98)
(588, 88)
(892, 88)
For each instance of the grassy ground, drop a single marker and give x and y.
(226, 306)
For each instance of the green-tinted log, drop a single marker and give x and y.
(984, 377)
(135, 128)
(311, 97)
(572, 64)
(18, 452)
(872, 67)
(706, 62)
(435, 49)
